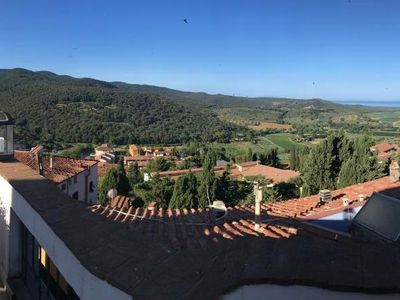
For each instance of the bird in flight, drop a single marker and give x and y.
(186, 21)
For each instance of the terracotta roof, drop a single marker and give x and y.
(240, 219)
(104, 147)
(62, 168)
(275, 174)
(309, 207)
(177, 173)
(138, 157)
(252, 168)
(384, 149)
(120, 202)
(248, 164)
(201, 261)
(102, 167)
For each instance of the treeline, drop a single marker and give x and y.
(336, 162)
(53, 109)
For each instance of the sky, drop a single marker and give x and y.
(330, 49)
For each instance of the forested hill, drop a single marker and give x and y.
(49, 107)
(59, 108)
(220, 100)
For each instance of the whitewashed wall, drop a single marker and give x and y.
(80, 185)
(84, 283)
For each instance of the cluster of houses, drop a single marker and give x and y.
(78, 178)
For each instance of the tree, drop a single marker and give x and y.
(185, 192)
(347, 175)
(159, 164)
(123, 186)
(162, 190)
(270, 192)
(270, 158)
(158, 189)
(109, 182)
(208, 180)
(134, 175)
(249, 155)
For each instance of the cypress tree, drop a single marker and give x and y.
(123, 186)
(185, 192)
(134, 175)
(109, 182)
(207, 182)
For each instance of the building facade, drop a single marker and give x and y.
(77, 178)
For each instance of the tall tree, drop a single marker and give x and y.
(185, 192)
(123, 186)
(109, 181)
(208, 180)
(249, 154)
(134, 175)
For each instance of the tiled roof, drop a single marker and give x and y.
(102, 167)
(384, 149)
(240, 219)
(309, 207)
(138, 157)
(175, 173)
(251, 168)
(120, 202)
(105, 148)
(62, 168)
(192, 228)
(275, 174)
(143, 253)
(248, 164)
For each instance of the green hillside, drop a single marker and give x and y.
(48, 107)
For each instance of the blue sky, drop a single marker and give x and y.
(332, 49)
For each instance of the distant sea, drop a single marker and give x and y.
(370, 103)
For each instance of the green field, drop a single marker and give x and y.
(392, 117)
(281, 140)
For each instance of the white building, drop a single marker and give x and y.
(105, 153)
(41, 232)
(76, 177)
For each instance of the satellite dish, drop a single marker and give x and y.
(219, 210)
(112, 193)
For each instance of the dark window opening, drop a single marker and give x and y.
(75, 195)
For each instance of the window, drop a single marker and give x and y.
(75, 195)
(53, 279)
(63, 187)
(75, 179)
(91, 187)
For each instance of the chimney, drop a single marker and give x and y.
(39, 161)
(51, 161)
(258, 198)
(325, 196)
(394, 171)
